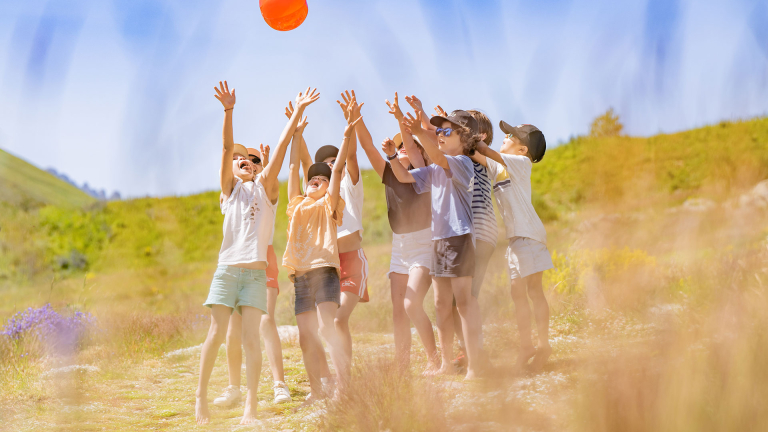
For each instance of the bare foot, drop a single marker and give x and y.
(446, 369)
(542, 354)
(201, 411)
(431, 369)
(251, 404)
(471, 375)
(525, 356)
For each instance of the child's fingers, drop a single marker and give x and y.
(361, 105)
(226, 86)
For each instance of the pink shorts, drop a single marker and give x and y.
(354, 273)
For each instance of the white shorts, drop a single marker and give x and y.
(526, 256)
(411, 250)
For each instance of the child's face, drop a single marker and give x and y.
(330, 161)
(257, 167)
(242, 168)
(450, 145)
(513, 146)
(402, 156)
(317, 186)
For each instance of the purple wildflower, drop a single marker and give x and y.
(60, 333)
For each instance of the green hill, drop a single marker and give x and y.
(23, 184)
(620, 173)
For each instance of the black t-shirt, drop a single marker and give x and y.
(408, 211)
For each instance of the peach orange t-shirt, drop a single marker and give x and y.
(312, 228)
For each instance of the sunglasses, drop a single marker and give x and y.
(256, 160)
(446, 131)
(320, 178)
(331, 163)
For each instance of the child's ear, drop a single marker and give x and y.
(483, 136)
(524, 150)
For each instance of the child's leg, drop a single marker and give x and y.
(326, 312)
(470, 321)
(457, 329)
(348, 302)
(311, 347)
(523, 315)
(251, 319)
(234, 350)
(444, 318)
(541, 314)
(418, 286)
(217, 333)
(271, 338)
(402, 325)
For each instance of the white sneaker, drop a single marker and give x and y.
(230, 397)
(282, 394)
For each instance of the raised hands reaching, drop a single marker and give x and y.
(350, 105)
(440, 111)
(224, 96)
(388, 147)
(351, 119)
(394, 108)
(415, 103)
(264, 150)
(413, 124)
(304, 99)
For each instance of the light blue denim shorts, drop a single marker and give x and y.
(236, 287)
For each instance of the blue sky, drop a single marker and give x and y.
(119, 93)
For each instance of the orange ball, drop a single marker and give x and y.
(284, 15)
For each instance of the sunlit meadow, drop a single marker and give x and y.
(658, 298)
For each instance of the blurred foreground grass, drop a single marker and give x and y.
(658, 306)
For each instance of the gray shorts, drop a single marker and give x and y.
(526, 256)
(315, 287)
(236, 287)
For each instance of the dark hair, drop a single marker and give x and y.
(484, 125)
(468, 138)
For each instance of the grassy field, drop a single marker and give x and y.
(657, 299)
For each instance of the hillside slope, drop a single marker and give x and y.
(608, 174)
(23, 184)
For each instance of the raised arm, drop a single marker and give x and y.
(338, 168)
(294, 183)
(401, 173)
(352, 167)
(264, 154)
(410, 145)
(366, 142)
(417, 106)
(489, 153)
(269, 175)
(226, 176)
(304, 156)
(427, 138)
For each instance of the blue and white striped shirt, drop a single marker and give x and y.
(482, 207)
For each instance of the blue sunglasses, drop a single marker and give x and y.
(446, 131)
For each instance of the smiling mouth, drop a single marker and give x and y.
(244, 166)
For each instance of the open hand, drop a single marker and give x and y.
(440, 111)
(415, 103)
(289, 110)
(413, 124)
(304, 99)
(350, 105)
(302, 124)
(388, 147)
(224, 96)
(351, 122)
(394, 108)
(264, 154)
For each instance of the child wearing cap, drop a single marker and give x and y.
(450, 179)
(409, 216)
(353, 262)
(312, 258)
(231, 395)
(239, 283)
(527, 254)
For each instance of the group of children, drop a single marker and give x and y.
(438, 175)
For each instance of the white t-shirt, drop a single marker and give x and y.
(249, 216)
(512, 189)
(272, 236)
(352, 194)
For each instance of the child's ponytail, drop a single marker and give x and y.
(469, 141)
